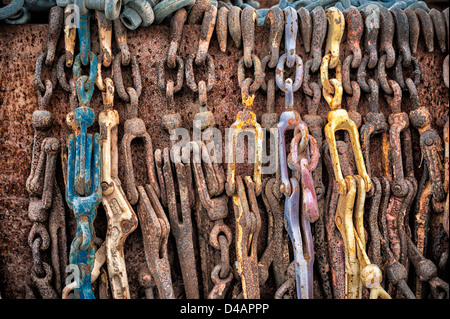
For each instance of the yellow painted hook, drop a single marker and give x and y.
(336, 26)
(338, 119)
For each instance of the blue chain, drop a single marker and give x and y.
(83, 190)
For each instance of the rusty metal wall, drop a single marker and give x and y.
(19, 49)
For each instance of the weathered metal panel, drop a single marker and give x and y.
(21, 45)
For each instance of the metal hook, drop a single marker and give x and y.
(336, 26)
(83, 194)
(275, 18)
(414, 29)
(338, 119)
(305, 28)
(181, 222)
(246, 122)
(222, 28)
(319, 21)
(122, 220)
(248, 224)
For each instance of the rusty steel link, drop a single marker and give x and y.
(204, 121)
(154, 224)
(57, 230)
(398, 72)
(354, 34)
(381, 75)
(430, 142)
(120, 35)
(105, 36)
(287, 289)
(222, 28)
(399, 124)
(427, 28)
(402, 36)
(118, 80)
(352, 106)
(255, 84)
(248, 225)
(334, 238)
(374, 123)
(269, 119)
(204, 118)
(439, 28)
(382, 218)
(213, 232)
(414, 29)
(371, 18)
(362, 74)
(431, 190)
(55, 23)
(427, 272)
(305, 28)
(319, 22)
(176, 29)
(396, 224)
(171, 120)
(134, 128)
(445, 72)
(155, 232)
(439, 254)
(209, 212)
(274, 18)
(355, 28)
(422, 219)
(234, 25)
(207, 28)
(249, 20)
(68, 86)
(275, 253)
(46, 202)
(146, 281)
(122, 220)
(396, 273)
(374, 249)
(402, 184)
(181, 223)
(387, 29)
(197, 11)
(352, 88)
(277, 246)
